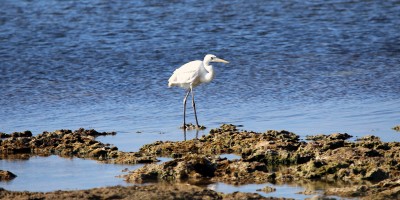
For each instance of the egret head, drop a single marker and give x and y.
(212, 58)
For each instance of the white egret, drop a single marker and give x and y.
(191, 75)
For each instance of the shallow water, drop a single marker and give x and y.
(283, 191)
(305, 66)
(52, 173)
(55, 173)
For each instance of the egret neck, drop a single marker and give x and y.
(210, 75)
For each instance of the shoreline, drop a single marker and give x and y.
(175, 191)
(370, 166)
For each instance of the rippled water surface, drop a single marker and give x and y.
(305, 66)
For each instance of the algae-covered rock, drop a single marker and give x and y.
(93, 132)
(333, 136)
(271, 156)
(189, 167)
(254, 196)
(80, 143)
(376, 174)
(145, 192)
(227, 139)
(387, 189)
(201, 167)
(355, 191)
(267, 189)
(6, 175)
(4, 135)
(239, 172)
(191, 126)
(327, 157)
(22, 134)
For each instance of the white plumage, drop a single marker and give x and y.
(191, 75)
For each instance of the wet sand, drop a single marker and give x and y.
(367, 167)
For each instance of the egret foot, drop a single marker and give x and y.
(191, 126)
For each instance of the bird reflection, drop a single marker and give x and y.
(184, 134)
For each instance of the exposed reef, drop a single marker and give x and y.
(366, 166)
(148, 192)
(80, 143)
(325, 157)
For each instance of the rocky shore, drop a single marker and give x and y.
(148, 192)
(367, 167)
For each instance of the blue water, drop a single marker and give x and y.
(52, 173)
(305, 66)
(282, 190)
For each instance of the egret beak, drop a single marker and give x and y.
(220, 60)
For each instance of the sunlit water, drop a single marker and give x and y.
(283, 190)
(55, 173)
(45, 174)
(305, 66)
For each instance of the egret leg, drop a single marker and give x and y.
(184, 109)
(194, 108)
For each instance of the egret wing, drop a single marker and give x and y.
(186, 74)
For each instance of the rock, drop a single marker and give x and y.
(267, 189)
(396, 128)
(354, 191)
(376, 174)
(250, 196)
(368, 138)
(339, 136)
(333, 136)
(328, 157)
(4, 135)
(239, 172)
(191, 166)
(334, 144)
(153, 191)
(372, 153)
(308, 192)
(191, 126)
(196, 167)
(80, 143)
(147, 192)
(93, 132)
(22, 134)
(387, 189)
(6, 175)
(272, 156)
(130, 158)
